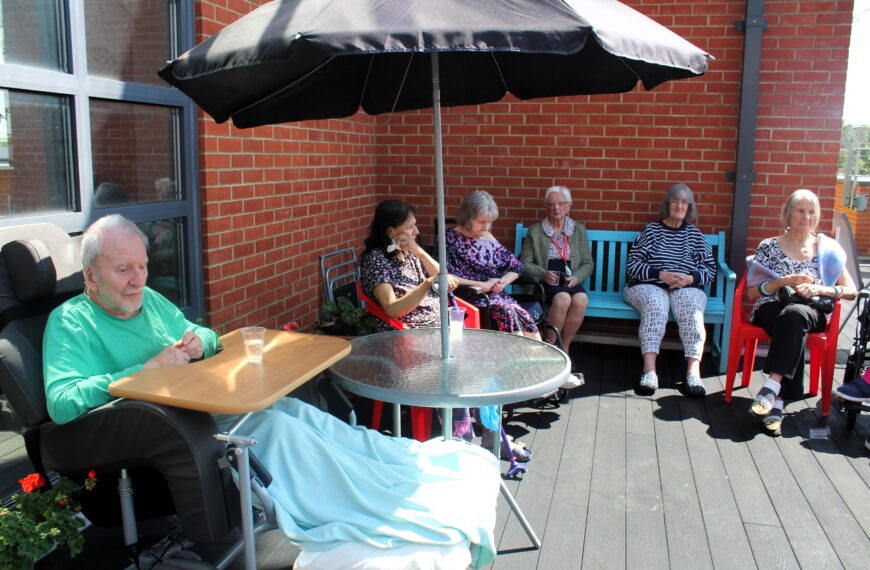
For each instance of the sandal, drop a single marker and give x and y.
(763, 402)
(773, 422)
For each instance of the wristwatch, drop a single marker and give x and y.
(435, 285)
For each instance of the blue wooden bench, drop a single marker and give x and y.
(605, 285)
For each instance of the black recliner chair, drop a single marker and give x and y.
(171, 453)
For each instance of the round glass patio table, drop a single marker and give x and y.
(485, 368)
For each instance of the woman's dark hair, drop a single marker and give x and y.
(388, 214)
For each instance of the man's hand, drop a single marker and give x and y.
(191, 344)
(169, 356)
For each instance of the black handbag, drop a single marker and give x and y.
(823, 304)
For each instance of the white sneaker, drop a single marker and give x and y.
(573, 381)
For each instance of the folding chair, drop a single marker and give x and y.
(339, 273)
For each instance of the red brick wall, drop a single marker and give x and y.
(264, 191)
(618, 153)
(273, 199)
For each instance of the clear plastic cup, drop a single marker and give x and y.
(254, 338)
(456, 315)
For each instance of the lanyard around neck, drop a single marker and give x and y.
(562, 254)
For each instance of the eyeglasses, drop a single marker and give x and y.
(679, 202)
(557, 204)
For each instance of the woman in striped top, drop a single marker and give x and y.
(668, 267)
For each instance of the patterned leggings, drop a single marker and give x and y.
(687, 304)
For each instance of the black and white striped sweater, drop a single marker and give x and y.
(662, 248)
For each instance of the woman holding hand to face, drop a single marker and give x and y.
(397, 272)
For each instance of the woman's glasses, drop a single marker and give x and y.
(557, 204)
(676, 202)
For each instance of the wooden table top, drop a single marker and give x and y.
(225, 383)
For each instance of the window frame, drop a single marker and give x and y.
(81, 88)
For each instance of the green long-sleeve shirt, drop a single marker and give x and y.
(85, 349)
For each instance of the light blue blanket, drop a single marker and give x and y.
(334, 483)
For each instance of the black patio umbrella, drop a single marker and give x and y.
(294, 60)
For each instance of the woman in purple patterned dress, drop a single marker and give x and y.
(476, 258)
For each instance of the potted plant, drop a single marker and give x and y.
(40, 519)
(341, 317)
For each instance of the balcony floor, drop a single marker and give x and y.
(620, 480)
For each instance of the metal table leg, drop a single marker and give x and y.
(397, 420)
(242, 443)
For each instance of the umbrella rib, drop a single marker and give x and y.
(283, 89)
(366, 84)
(401, 86)
(500, 74)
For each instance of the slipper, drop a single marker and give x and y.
(694, 386)
(763, 402)
(773, 422)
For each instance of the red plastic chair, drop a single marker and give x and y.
(822, 345)
(421, 418)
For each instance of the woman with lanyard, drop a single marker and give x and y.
(668, 267)
(556, 252)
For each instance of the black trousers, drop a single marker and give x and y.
(788, 327)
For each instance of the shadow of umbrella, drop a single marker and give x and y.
(295, 60)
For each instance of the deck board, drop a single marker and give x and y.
(620, 480)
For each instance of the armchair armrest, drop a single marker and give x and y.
(179, 444)
(468, 290)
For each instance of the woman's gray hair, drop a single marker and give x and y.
(478, 203)
(92, 240)
(797, 196)
(676, 192)
(566, 194)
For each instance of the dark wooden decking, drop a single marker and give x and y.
(619, 480)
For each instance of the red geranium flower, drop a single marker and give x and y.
(32, 482)
(92, 474)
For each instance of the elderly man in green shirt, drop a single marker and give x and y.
(372, 492)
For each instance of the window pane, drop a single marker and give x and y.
(134, 153)
(36, 154)
(166, 259)
(32, 32)
(128, 40)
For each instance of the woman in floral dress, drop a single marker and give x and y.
(477, 259)
(398, 273)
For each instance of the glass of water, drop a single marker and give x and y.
(254, 338)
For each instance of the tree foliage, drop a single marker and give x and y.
(860, 145)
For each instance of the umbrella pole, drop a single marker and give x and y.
(439, 199)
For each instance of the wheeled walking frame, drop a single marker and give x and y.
(857, 363)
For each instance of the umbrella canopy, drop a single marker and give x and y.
(293, 60)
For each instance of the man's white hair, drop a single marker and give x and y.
(92, 240)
